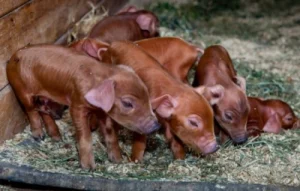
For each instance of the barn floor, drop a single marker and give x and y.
(264, 46)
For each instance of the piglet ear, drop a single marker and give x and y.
(296, 124)
(164, 106)
(199, 50)
(241, 82)
(94, 48)
(144, 21)
(102, 96)
(213, 94)
(273, 124)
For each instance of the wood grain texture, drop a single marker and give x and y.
(12, 118)
(35, 22)
(8, 5)
(38, 21)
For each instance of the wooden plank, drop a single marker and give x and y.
(9, 5)
(12, 118)
(37, 22)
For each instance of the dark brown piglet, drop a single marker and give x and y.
(131, 24)
(270, 116)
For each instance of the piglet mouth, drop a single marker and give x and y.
(149, 126)
(210, 148)
(240, 139)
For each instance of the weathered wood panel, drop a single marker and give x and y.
(12, 118)
(37, 22)
(8, 5)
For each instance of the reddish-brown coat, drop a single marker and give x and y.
(89, 87)
(190, 119)
(270, 116)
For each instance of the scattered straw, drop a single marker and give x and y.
(269, 159)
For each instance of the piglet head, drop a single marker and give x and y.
(148, 23)
(285, 113)
(125, 98)
(231, 110)
(190, 118)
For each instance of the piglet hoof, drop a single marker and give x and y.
(179, 156)
(56, 138)
(88, 165)
(38, 135)
(136, 159)
(115, 157)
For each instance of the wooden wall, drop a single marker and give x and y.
(24, 22)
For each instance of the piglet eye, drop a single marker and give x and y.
(228, 116)
(193, 123)
(127, 104)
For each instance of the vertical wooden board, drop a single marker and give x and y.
(37, 22)
(8, 5)
(12, 118)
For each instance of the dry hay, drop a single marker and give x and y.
(82, 28)
(269, 159)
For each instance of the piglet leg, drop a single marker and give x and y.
(138, 147)
(176, 146)
(51, 127)
(35, 124)
(111, 140)
(84, 137)
(33, 115)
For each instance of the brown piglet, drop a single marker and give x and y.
(186, 116)
(231, 112)
(175, 54)
(129, 24)
(87, 86)
(271, 115)
(214, 68)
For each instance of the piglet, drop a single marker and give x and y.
(129, 24)
(87, 86)
(214, 68)
(270, 116)
(175, 54)
(231, 112)
(186, 115)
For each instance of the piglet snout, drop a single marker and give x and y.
(155, 126)
(210, 148)
(150, 125)
(240, 139)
